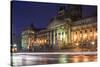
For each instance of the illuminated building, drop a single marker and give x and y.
(28, 36)
(84, 31)
(67, 29)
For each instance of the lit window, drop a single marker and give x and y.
(77, 44)
(75, 37)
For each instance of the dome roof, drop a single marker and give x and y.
(30, 29)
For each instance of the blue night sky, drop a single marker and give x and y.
(26, 13)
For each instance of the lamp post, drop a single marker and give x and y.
(14, 48)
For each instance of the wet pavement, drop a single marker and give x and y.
(40, 59)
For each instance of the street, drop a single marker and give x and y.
(25, 59)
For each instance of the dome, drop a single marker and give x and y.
(29, 30)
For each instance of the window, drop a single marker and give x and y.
(85, 31)
(76, 32)
(90, 30)
(81, 32)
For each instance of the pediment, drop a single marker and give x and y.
(56, 23)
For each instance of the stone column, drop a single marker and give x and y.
(54, 32)
(52, 37)
(49, 37)
(69, 35)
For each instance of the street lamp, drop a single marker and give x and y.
(14, 45)
(93, 43)
(14, 48)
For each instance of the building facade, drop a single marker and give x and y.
(28, 38)
(84, 32)
(66, 30)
